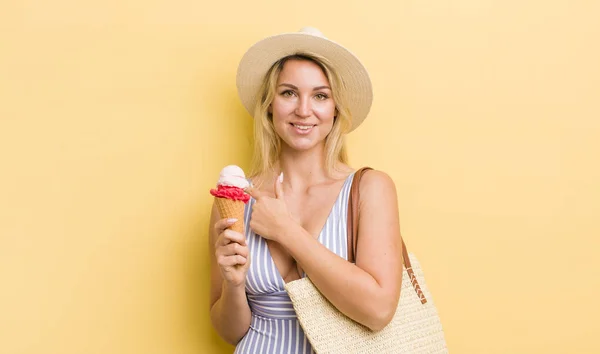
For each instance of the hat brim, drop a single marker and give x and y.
(257, 61)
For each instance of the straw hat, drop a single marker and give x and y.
(261, 56)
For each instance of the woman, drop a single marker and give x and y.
(305, 93)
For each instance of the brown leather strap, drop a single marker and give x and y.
(353, 213)
(352, 227)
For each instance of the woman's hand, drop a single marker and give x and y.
(231, 253)
(270, 216)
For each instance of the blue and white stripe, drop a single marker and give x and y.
(274, 328)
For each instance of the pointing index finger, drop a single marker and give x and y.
(278, 187)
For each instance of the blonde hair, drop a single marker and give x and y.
(267, 144)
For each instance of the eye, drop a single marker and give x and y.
(321, 96)
(287, 93)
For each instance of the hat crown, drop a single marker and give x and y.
(312, 31)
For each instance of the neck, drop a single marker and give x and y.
(302, 168)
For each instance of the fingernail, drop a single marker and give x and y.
(232, 220)
(281, 178)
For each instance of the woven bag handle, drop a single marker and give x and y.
(353, 232)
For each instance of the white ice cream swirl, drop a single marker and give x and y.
(233, 176)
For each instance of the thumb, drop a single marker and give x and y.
(279, 186)
(254, 193)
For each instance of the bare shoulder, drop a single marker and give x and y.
(375, 183)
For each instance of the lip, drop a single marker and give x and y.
(302, 131)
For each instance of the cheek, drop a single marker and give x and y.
(281, 107)
(325, 111)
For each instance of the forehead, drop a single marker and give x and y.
(302, 70)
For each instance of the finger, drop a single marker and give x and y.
(228, 236)
(234, 236)
(279, 186)
(220, 242)
(223, 224)
(228, 261)
(232, 249)
(254, 193)
(235, 248)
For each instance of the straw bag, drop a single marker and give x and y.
(415, 328)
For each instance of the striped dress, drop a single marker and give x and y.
(274, 327)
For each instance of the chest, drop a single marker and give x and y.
(312, 210)
(317, 210)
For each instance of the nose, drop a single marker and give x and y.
(303, 108)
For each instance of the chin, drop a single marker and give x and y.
(302, 144)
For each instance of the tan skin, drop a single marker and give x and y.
(290, 215)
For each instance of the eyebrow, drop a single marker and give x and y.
(314, 89)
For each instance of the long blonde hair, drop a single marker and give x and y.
(267, 144)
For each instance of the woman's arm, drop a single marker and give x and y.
(229, 310)
(367, 292)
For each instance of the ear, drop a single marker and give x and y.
(270, 109)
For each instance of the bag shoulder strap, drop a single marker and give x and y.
(352, 226)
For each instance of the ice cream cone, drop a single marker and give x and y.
(229, 208)
(230, 196)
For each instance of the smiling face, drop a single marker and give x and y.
(303, 108)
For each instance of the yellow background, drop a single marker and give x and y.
(116, 117)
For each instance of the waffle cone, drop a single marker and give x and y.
(229, 208)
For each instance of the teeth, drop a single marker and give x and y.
(303, 127)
